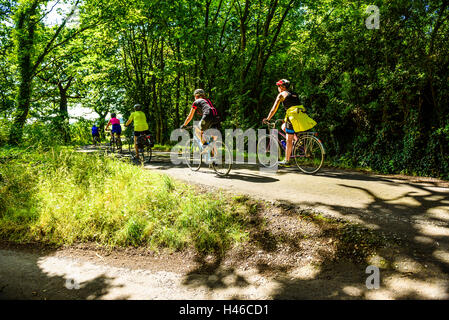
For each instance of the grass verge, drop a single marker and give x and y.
(58, 196)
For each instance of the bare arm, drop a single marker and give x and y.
(131, 118)
(189, 117)
(281, 97)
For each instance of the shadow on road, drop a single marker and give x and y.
(414, 263)
(27, 273)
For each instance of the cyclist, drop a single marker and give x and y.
(116, 127)
(288, 99)
(95, 133)
(140, 125)
(207, 111)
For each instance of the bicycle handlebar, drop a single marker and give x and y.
(191, 127)
(272, 124)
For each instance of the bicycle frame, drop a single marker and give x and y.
(297, 137)
(198, 141)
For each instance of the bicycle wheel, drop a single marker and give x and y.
(118, 144)
(222, 158)
(192, 155)
(308, 153)
(131, 146)
(269, 151)
(112, 145)
(143, 155)
(146, 154)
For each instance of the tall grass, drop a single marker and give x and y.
(63, 197)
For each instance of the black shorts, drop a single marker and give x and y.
(96, 134)
(289, 127)
(141, 133)
(209, 123)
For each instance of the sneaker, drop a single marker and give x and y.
(285, 163)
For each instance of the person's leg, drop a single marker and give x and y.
(288, 150)
(214, 125)
(136, 147)
(119, 141)
(290, 134)
(199, 134)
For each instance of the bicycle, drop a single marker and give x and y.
(216, 152)
(115, 143)
(307, 150)
(144, 145)
(96, 140)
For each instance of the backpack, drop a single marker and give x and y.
(214, 115)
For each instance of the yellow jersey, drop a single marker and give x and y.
(140, 121)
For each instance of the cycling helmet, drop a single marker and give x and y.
(283, 82)
(113, 115)
(137, 107)
(199, 92)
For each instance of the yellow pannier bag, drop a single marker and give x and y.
(299, 119)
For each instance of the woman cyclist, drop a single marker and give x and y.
(288, 99)
(116, 127)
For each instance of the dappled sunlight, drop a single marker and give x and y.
(354, 291)
(439, 213)
(430, 288)
(443, 256)
(42, 276)
(424, 240)
(432, 230)
(81, 278)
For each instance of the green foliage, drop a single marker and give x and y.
(81, 132)
(41, 134)
(4, 130)
(380, 96)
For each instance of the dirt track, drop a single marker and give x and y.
(416, 211)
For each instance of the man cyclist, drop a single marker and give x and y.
(207, 111)
(116, 127)
(288, 99)
(140, 125)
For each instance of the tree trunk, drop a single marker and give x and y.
(25, 30)
(178, 87)
(63, 121)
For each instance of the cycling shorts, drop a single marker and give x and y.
(209, 122)
(116, 128)
(289, 127)
(141, 133)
